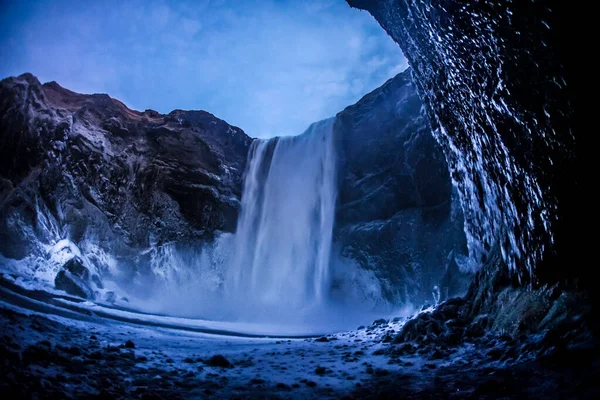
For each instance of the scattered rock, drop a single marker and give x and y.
(320, 370)
(218, 361)
(40, 354)
(129, 344)
(322, 339)
(404, 349)
(436, 355)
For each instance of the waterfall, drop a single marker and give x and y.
(282, 246)
(278, 268)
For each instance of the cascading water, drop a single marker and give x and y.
(282, 247)
(278, 270)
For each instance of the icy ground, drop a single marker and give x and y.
(52, 348)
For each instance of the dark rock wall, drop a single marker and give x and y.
(397, 213)
(496, 77)
(76, 166)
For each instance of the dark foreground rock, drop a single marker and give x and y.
(524, 343)
(496, 306)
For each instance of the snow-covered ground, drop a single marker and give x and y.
(177, 350)
(55, 346)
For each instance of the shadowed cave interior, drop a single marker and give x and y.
(418, 244)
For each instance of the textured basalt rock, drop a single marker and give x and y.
(497, 307)
(397, 215)
(88, 169)
(496, 77)
(497, 81)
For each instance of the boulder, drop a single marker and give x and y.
(218, 361)
(110, 297)
(73, 278)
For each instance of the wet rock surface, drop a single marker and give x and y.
(73, 284)
(498, 81)
(397, 216)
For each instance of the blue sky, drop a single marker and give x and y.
(269, 67)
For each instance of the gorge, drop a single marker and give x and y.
(152, 225)
(171, 255)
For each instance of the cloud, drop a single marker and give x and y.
(190, 26)
(270, 67)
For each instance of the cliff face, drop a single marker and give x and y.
(397, 213)
(88, 169)
(128, 191)
(496, 79)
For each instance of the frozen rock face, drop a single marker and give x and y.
(88, 169)
(495, 77)
(397, 213)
